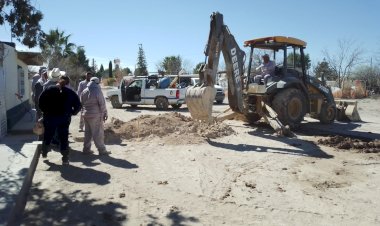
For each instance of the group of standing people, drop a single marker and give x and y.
(55, 103)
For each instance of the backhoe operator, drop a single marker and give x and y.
(267, 70)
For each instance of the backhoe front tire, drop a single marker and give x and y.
(290, 105)
(328, 113)
(162, 103)
(115, 102)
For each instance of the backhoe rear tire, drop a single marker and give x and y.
(115, 102)
(328, 113)
(290, 105)
(162, 103)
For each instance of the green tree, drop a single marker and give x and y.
(75, 65)
(81, 59)
(24, 20)
(323, 69)
(126, 71)
(197, 67)
(55, 46)
(100, 73)
(110, 69)
(142, 67)
(94, 66)
(171, 65)
(297, 58)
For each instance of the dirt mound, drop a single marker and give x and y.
(173, 128)
(347, 143)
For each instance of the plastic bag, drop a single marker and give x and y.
(38, 127)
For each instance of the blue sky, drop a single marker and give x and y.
(114, 28)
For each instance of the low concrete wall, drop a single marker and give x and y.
(15, 217)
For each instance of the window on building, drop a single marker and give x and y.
(21, 81)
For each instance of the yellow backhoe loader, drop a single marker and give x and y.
(283, 101)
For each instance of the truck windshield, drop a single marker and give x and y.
(137, 83)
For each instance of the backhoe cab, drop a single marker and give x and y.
(289, 91)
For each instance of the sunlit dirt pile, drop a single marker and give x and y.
(173, 128)
(348, 143)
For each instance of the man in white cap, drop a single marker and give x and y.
(94, 115)
(267, 70)
(83, 85)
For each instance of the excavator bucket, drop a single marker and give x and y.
(347, 110)
(199, 101)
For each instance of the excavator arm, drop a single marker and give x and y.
(200, 97)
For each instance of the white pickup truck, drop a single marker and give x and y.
(141, 92)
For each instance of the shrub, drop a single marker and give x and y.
(109, 81)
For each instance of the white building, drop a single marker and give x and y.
(15, 87)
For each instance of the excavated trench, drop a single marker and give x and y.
(348, 143)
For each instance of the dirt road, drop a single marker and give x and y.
(250, 177)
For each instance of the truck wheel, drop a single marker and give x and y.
(290, 105)
(162, 103)
(115, 102)
(328, 113)
(134, 105)
(252, 117)
(176, 106)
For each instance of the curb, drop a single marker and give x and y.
(18, 209)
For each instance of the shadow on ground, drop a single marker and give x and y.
(90, 160)
(9, 183)
(80, 175)
(302, 147)
(338, 128)
(176, 218)
(76, 208)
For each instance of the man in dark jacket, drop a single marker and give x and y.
(58, 103)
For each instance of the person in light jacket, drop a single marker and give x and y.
(83, 85)
(94, 115)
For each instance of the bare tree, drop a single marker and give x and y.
(348, 55)
(187, 65)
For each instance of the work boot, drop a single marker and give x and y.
(65, 160)
(44, 150)
(104, 152)
(87, 152)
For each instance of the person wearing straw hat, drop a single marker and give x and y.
(53, 77)
(94, 115)
(58, 103)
